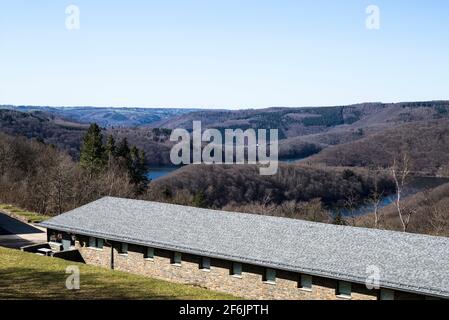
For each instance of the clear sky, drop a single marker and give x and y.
(222, 54)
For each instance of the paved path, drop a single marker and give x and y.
(16, 234)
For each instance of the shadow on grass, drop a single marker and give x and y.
(14, 241)
(29, 283)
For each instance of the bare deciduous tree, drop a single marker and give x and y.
(40, 178)
(376, 197)
(438, 215)
(351, 202)
(400, 171)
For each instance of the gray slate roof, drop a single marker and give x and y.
(408, 262)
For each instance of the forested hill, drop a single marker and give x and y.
(67, 135)
(106, 117)
(303, 131)
(426, 143)
(44, 127)
(226, 185)
(293, 122)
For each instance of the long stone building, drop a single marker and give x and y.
(254, 256)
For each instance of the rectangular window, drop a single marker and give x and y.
(177, 258)
(149, 254)
(55, 236)
(205, 263)
(305, 282)
(123, 248)
(95, 243)
(386, 294)
(270, 275)
(236, 269)
(344, 289)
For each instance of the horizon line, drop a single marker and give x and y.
(216, 108)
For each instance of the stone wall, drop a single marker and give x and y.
(249, 285)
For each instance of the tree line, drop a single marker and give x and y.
(97, 156)
(39, 177)
(288, 193)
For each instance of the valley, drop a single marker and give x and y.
(332, 159)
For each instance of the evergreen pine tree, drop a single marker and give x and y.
(110, 149)
(110, 146)
(123, 149)
(133, 165)
(138, 167)
(92, 156)
(142, 167)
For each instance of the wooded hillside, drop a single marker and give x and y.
(219, 186)
(426, 143)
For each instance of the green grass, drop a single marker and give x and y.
(31, 217)
(29, 276)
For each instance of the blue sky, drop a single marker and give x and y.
(222, 54)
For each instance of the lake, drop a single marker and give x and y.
(159, 172)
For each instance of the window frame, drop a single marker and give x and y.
(96, 243)
(302, 281)
(149, 254)
(205, 264)
(55, 237)
(123, 250)
(382, 292)
(92, 242)
(344, 284)
(267, 275)
(237, 266)
(174, 259)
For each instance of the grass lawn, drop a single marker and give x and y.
(29, 276)
(31, 217)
